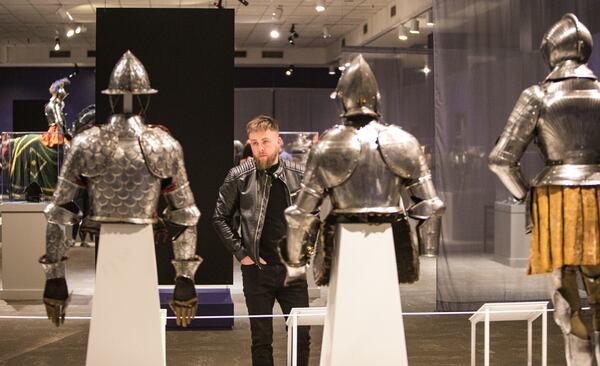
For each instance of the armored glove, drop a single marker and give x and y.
(185, 301)
(56, 299)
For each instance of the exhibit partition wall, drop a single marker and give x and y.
(485, 54)
(188, 54)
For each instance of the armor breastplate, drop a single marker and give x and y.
(372, 187)
(568, 133)
(125, 190)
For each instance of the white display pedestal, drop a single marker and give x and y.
(23, 243)
(125, 328)
(363, 325)
(511, 243)
(510, 311)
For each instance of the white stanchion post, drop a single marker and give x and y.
(473, 343)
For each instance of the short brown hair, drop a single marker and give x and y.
(262, 123)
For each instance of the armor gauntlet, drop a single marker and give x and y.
(518, 133)
(428, 209)
(302, 227)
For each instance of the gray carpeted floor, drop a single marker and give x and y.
(431, 339)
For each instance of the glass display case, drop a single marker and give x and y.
(297, 144)
(30, 164)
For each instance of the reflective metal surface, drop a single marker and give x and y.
(362, 166)
(129, 76)
(567, 39)
(126, 191)
(357, 92)
(373, 186)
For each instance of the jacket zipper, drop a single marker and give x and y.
(256, 252)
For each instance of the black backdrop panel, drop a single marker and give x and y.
(28, 115)
(188, 54)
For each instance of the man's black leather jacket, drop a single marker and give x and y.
(247, 189)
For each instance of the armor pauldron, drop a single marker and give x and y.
(186, 216)
(162, 152)
(60, 215)
(336, 155)
(186, 268)
(180, 197)
(401, 152)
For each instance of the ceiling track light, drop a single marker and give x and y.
(426, 70)
(244, 2)
(320, 6)
(64, 14)
(57, 44)
(402, 34)
(69, 32)
(430, 18)
(414, 26)
(291, 40)
(289, 71)
(326, 33)
(277, 13)
(331, 70)
(274, 33)
(218, 4)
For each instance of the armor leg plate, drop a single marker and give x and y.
(591, 279)
(596, 345)
(578, 352)
(578, 348)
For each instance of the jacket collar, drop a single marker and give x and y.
(278, 173)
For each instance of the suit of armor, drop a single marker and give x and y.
(562, 116)
(362, 165)
(125, 166)
(54, 108)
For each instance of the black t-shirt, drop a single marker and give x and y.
(275, 226)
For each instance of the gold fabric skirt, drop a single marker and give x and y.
(566, 227)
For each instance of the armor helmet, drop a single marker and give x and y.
(129, 76)
(357, 92)
(567, 39)
(57, 88)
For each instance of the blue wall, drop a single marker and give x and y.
(22, 83)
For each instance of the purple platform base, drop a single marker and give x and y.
(211, 302)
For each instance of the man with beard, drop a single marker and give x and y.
(260, 189)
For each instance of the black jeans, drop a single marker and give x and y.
(261, 288)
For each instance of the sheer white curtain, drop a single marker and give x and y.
(485, 54)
